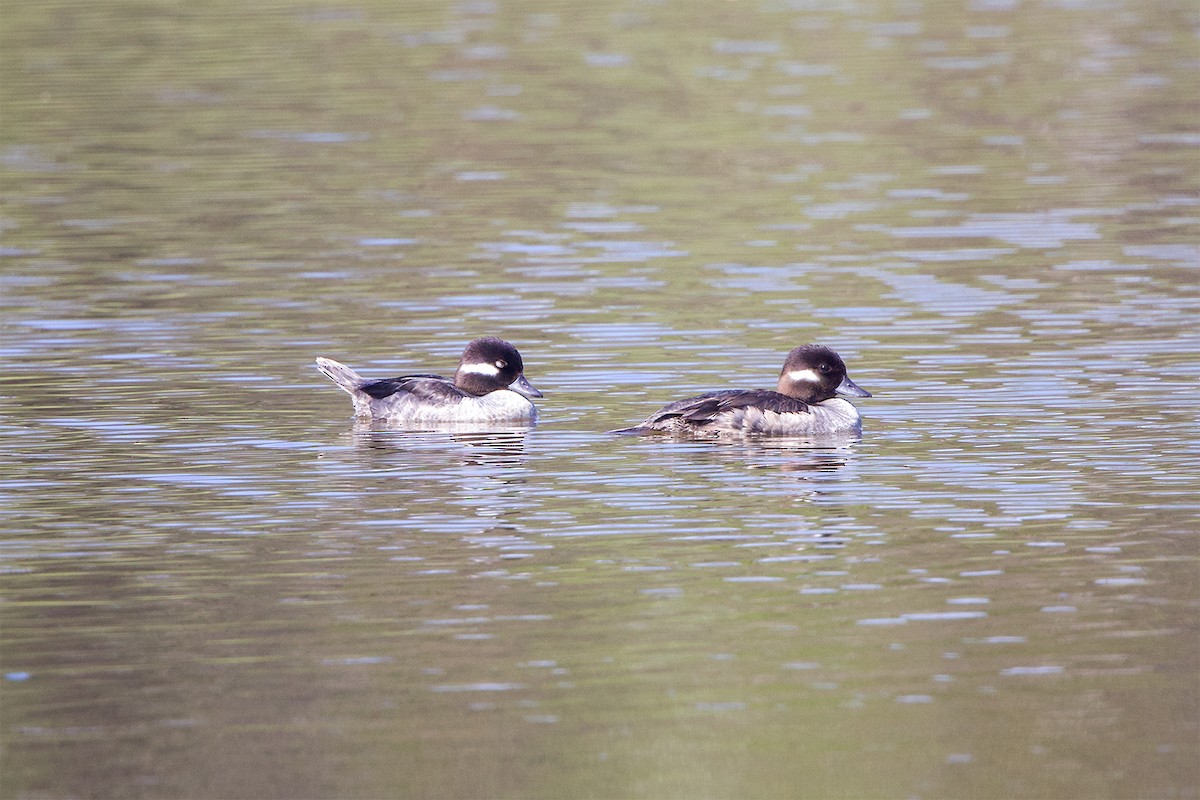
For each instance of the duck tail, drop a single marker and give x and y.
(339, 373)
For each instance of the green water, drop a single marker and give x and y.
(212, 585)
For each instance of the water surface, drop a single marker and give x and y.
(214, 585)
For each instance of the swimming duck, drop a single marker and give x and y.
(488, 386)
(804, 403)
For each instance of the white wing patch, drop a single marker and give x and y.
(804, 375)
(481, 369)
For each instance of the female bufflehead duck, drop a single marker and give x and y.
(489, 386)
(803, 404)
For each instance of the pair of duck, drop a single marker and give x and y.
(490, 387)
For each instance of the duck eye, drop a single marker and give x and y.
(501, 364)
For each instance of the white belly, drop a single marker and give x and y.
(831, 416)
(501, 406)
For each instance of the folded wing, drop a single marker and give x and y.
(422, 387)
(707, 407)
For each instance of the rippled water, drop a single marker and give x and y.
(215, 585)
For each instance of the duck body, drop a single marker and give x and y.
(806, 402)
(489, 386)
(754, 411)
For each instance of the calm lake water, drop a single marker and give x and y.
(215, 586)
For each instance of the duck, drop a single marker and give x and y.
(807, 401)
(489, 386)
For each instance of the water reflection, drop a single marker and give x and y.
(788, 453)
(497, 446)
(216, 586)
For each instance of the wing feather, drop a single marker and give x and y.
(704, 409)
(432, 387)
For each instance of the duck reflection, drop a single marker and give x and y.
(803, 455)
(811, 463)
(819, 464)
(791, 454)
(460, 480)
(474, 444)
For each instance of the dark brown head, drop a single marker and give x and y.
(490, 364)
(813, 373)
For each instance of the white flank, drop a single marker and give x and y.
(804, 375)
(480, 369)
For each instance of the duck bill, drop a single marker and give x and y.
(522, 386)
(851, 389)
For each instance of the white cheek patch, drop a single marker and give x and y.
(804, 375)
(491, 370)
